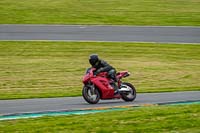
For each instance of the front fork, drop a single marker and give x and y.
(92, 88)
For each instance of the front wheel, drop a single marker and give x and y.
(91, 94)
(128, 95)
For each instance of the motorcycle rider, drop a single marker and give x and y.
(103, 66)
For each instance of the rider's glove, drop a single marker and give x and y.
(98, 71)
(95, 73)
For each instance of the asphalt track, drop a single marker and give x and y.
(77, 103)
(96, 33)
(162, 34)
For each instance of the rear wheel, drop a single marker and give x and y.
(128, 95)
(91, 94)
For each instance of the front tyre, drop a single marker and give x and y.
(90, 94)
(131, 94)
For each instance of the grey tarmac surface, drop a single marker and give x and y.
(78, 103)
(96, 33)
(163, 34)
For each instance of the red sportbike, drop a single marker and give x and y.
(99, 86)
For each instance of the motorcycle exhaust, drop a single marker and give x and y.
(124, 90)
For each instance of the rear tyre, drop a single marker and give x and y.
(131, 94)
(91, 94)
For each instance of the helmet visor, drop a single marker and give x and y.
(92, 62)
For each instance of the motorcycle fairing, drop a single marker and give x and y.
(106, 89)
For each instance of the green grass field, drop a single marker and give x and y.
(101, 12)
(55, 69)
(160, 119)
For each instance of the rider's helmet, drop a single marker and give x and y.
(93, 59)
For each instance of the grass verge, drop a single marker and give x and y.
(55, 69)
(158, 119)
(103, 12)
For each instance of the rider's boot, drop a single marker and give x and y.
(113, 82)
(116, 92)
(114, 85)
